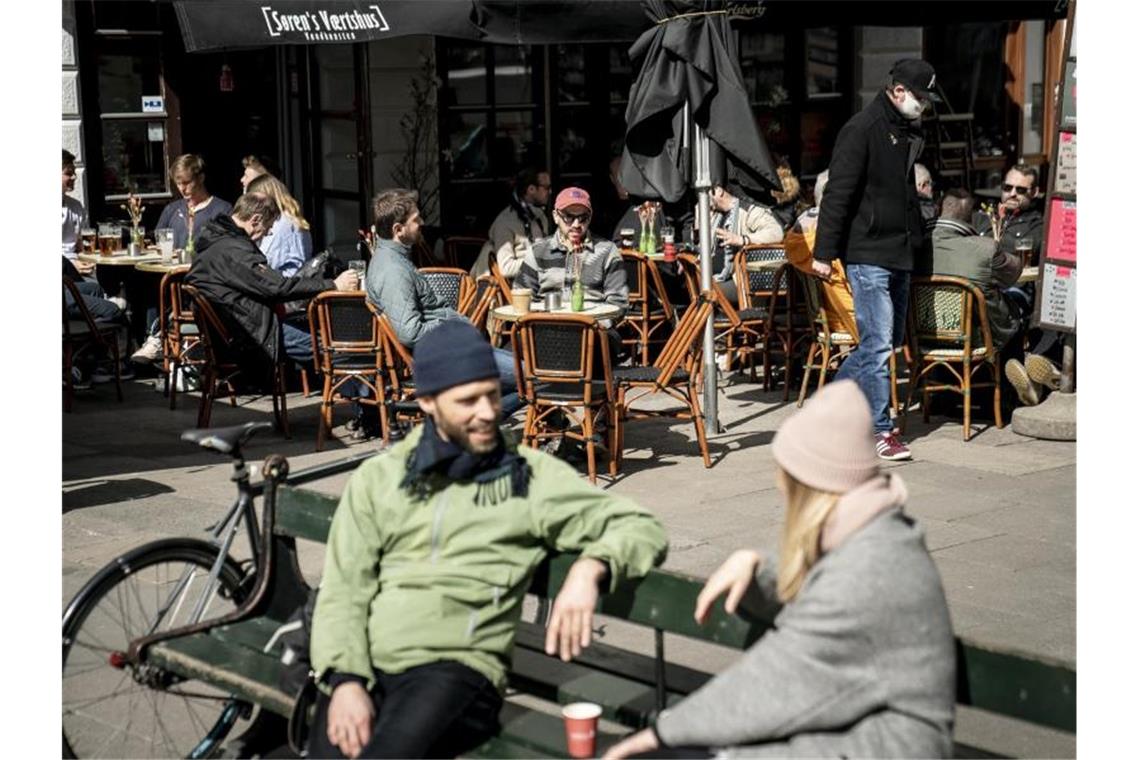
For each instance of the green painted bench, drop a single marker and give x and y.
(630, 686)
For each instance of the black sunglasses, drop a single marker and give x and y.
(584, 217)
(1020, 190)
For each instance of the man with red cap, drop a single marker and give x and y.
(571, 253)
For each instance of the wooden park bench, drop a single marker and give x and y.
(631, 687)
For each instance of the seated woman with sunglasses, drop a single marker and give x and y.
(860, 660)
(554, 262)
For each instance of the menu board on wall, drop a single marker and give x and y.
(1059, 297)
(1061, 236)
(1067, 164)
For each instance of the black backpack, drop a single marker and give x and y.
(324, 265)
(297, 677)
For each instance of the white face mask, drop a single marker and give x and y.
(910, 108)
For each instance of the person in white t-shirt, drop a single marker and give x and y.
(74, 215)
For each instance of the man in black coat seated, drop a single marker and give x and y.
(233, 274)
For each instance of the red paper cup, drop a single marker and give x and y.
(581, 719)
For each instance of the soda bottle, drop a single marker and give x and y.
(650, 243)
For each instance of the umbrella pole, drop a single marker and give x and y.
(702, 181)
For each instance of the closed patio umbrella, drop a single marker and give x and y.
(689, 124)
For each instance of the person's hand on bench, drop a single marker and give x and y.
(572, 616)
(734, 576)
(350, 718)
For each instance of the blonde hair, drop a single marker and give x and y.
(276, 190)
(189, 163)
(808, 510)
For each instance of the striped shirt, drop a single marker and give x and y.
(544, 270)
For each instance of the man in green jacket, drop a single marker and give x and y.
(430, 553)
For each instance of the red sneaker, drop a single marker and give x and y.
(887, 446)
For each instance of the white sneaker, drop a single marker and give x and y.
(151, 351)
(118, 301)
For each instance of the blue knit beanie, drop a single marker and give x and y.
(452, 354)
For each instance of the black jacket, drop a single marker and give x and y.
(870, 212)
(233, 274)
(1028, 224)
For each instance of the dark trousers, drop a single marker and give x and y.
(438, 710)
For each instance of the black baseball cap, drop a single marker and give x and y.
(917, 76)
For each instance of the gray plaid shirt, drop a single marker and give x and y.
(545, 267)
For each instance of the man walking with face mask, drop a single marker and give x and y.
(870, 219)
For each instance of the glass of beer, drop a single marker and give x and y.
(110, 238)
(90, 240)
(1024, 248)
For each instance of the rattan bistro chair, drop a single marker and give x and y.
(650, 312)
(831, 345)
(86, 334)
(676, 373)
(558, 375)
(950, 331)
(347, 345)
(454, 286)
(180, 340)
(396, 383)
(225, 362)
(743, 331)
(485, 298)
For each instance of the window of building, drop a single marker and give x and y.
(128, 114)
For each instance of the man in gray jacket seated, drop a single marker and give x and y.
(404, 295)
(959, 251)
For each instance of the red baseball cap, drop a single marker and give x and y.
(572, 196)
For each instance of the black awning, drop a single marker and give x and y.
(227, 24)
(219, 24)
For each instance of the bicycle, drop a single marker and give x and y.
(115, 703)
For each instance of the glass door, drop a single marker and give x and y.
(342, 156)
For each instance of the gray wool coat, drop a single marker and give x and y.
(859, 664)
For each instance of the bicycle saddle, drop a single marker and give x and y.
(226, 439)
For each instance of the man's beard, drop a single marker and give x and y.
(461, 436)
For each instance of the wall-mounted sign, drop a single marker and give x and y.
(1069, 96)
(1066, 164)
(1061, 237)
(155, 131)
(1059, 297)
(153, 104)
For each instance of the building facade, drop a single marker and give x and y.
(457, 119)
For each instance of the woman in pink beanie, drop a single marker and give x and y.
(860, 659)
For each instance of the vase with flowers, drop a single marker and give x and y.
(134, 208)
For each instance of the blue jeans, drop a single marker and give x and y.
(880, 296)
(505, 361)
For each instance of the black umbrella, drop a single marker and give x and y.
(689, 124)
(689, 56)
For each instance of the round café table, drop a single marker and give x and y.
(142, 295)
(158, 267)
(119, 258)
(597, 311)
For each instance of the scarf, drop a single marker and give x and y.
(435, 456)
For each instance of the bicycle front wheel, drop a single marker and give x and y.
(114, 709)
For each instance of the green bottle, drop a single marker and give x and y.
(578, 296)
(643, 242)
(188, 251)
(650, 242)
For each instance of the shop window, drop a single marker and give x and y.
(131, 99)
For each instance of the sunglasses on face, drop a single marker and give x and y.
(1010, 188)
(570, 219)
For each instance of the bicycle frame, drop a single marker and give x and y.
(276, 473)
